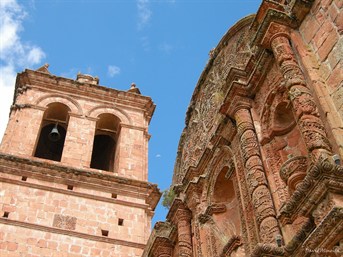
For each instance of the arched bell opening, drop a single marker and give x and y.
(53, 131)
(105, 142)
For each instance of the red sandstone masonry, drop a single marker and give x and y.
(322, 30)
(50, 208)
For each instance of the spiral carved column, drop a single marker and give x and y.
(304, 105)
(184, 232)
(255, 175)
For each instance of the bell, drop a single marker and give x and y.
(54, 135)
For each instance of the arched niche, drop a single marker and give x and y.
(225, 204)
(50, 141)
(223, 191)
(105, 142)
(222, 196)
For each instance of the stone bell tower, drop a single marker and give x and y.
(74, 169)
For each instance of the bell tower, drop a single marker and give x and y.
(74, 169)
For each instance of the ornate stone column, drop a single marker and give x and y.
(304, 105)
(183, 217)
(255, 174)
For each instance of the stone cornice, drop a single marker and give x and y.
(73, 193)
(161, 234)
(322, 177)
(290, 15)
(326, 233)
(38, 227)
(46, 170)
(177, 206)
(70, 86)
(233, 243)
(300, 237)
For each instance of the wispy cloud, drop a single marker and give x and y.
(166, 48)
(144, 13)
(14, 54)
(145, 43)
(158, 155)
(113, 70)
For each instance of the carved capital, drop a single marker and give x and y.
(275, 30)
(237, 104)
(244, 123)
(183, 215)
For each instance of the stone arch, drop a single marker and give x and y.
(53, 130)
(73, 105)
(222, 158)
(122, 115)
(222, 200)
(277, 115)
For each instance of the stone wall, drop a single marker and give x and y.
(66, 208)
(319, 43)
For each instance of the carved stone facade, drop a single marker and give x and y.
(259, 164)
(73, 169)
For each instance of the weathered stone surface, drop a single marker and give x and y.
(270, 186)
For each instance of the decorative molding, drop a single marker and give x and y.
(322, 177)
(233, 243)
(52, 171)
(73, 193)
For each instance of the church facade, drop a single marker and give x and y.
(259, 164)
(73, 169)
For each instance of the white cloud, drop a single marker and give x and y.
(14, 54)
(113, 70)
(158, 155)
(35, 55)
(144, 13)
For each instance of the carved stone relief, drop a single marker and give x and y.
(64, 222)
(208, 97)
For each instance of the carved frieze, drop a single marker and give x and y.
(203, 113)
(64, 222)
(323, 209)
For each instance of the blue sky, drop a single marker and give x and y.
(161, 45)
